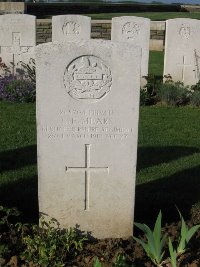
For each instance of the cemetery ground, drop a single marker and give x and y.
(156, 62)
(168, 171)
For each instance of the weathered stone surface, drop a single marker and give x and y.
(70, 28)
(134, 30)
(17, 39)
(182, 52)
(12, 8)
(156, 45)
(87, 127)
(157, 25)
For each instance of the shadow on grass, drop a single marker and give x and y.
(17, 158)
(181, 189)
(151, 156)
(22, 194)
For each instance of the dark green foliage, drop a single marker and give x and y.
(120, 262)
(9, 241)
(29, 70)
(195, 95)
(154, 243)
(45, 245)
(154, 246)
(173, 93)
(195, 99)
(148, 92)
(145, 98)
(196, 87)
(49, 245)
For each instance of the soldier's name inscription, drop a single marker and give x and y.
(82, 124)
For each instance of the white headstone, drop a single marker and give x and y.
(134, 30)
(17, 39)
(87, 128)
(182, 50)
(70, 28)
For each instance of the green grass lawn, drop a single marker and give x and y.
(156, 63)
(168, 169)
(18, 171)
(150, 15)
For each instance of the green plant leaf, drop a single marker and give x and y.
(97, 263)
(184, 229)
(143, 244)
(186, 234)
(172, 253)
(154, 246)
(191, 232)
(149, 235)
(120, 261)
(157, 235)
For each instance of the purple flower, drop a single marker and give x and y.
(14, 88)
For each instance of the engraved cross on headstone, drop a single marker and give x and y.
(87, 169)
(15, 49)
(183, 65)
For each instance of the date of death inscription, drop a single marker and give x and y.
(86, 124)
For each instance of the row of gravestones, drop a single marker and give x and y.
(182, 53)
(87, 122)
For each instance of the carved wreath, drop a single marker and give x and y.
(87, 77)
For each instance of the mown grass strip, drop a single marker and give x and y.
(160, 16)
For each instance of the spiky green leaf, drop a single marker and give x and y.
(157, 234)
(143, 244)
(172, 253)
(191, 232)
(149, 236)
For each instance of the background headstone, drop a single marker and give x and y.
(182, 50)
(70, 28)
(134, 30)
(17, 39)
(87, 128)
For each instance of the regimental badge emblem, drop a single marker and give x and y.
(185, 31)
(130, 30)
(88, 78)
(71, 28)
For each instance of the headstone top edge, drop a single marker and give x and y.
(82, 42)
(130, 18)
(57, 17)
(181, 19)
(18, 16)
